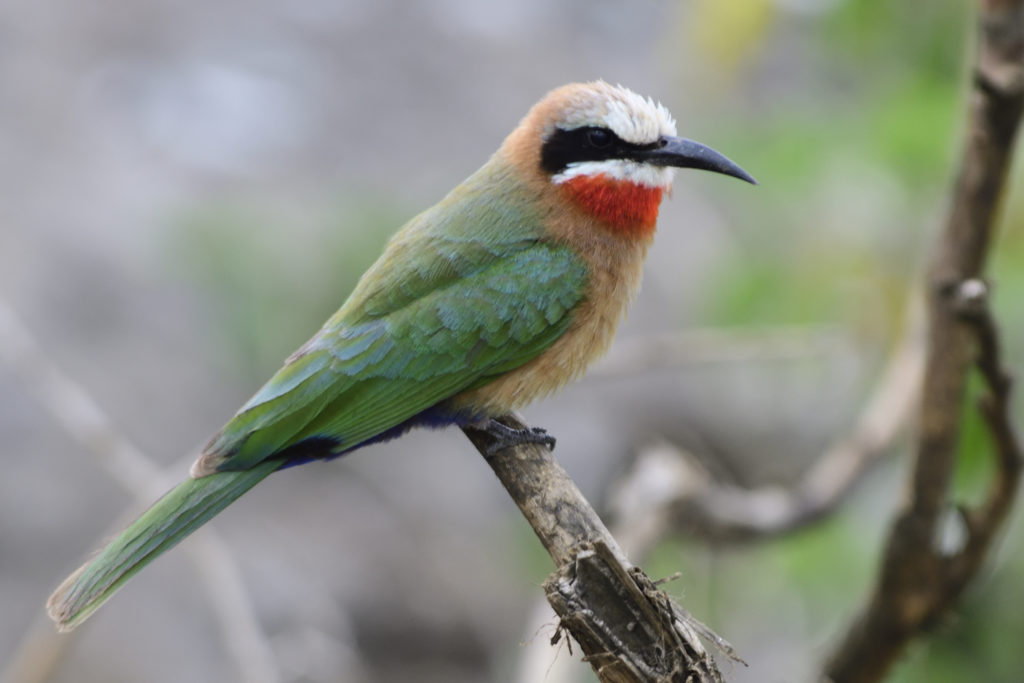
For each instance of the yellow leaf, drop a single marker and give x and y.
(729, 31)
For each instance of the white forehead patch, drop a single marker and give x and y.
(633, 118)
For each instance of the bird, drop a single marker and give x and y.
(499, 294)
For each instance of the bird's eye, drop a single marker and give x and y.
(599, 137)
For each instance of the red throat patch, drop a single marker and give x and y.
(627, 207)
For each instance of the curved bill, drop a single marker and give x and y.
(683, 153)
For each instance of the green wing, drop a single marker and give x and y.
(439, 326)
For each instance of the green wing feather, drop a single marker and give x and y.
(352, 382)
(466, 291)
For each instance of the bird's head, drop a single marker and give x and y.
(611, 152)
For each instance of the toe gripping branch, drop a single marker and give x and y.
(502, 436)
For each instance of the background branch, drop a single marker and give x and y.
(658, 352)
(918, 581)
(684, 495)
(79, 415)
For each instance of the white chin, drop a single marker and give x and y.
(619, 169)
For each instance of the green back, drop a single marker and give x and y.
(465, 292)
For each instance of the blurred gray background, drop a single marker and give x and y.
(188, 189)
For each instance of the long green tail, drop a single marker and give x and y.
(180, 512)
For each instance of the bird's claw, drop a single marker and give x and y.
(507, 437)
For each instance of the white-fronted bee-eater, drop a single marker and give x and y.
(503, 292)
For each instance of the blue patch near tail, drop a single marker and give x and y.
(325, 448)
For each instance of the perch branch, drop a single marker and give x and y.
(918, 581)
(628, 629)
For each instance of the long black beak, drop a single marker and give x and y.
(683, 153)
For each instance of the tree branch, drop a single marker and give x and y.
(918, 582)
(688, 499)
(629, 630)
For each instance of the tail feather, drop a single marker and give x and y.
(180, 512)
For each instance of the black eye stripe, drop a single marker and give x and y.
(599, 138)
(589, 143)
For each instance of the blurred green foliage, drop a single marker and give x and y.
(854, 171)
(855, 177)
(275, 274)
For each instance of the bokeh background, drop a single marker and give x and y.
(187, 189)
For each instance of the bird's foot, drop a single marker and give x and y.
(507, 437)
